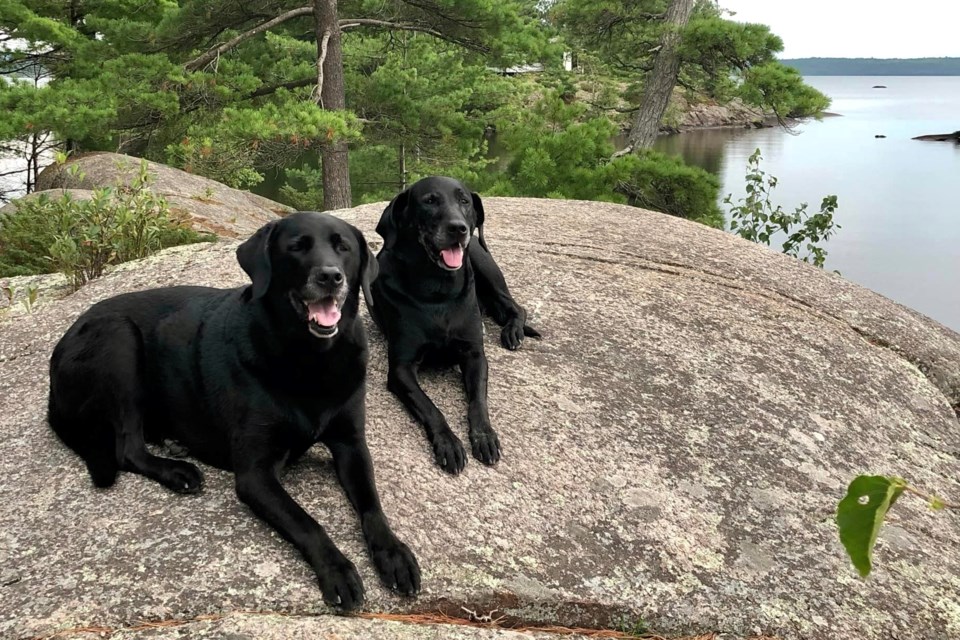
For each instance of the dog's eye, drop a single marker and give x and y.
(339, 244)
(431, 199)
(303, 243)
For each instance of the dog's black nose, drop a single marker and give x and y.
(458, 228)
(330, 276)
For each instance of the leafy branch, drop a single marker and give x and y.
(755, 218)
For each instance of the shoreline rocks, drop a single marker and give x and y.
(940, 137)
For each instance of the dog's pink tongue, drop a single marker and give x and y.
(452, 257)
(325, 313)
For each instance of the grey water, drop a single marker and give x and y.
(899, 199)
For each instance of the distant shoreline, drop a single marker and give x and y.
(875, 66)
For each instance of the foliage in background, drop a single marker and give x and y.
(269, 138)
(780, 89)
(557, 151)
(553, 151)
(225, 89)
(719, 58)
(80, 238)
(426, 111)
(755, 218)
(862, 510)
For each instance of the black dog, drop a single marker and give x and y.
(433, 282)
(247, 379)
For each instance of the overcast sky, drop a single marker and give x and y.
(857, 28)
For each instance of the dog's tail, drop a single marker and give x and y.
(92, 439)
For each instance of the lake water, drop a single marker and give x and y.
(899, 201)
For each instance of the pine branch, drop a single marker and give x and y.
(435, 9)
(604, 107)
(408, 26)
(211, 54)
(272, 88)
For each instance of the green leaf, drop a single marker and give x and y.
(860, 514)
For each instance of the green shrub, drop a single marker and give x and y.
(661, 182)
(553, 151)
(227, 163)
(561, 81)
(25, 241)
(80, 238)
(303, 188)
(756, 219)
(557, 152)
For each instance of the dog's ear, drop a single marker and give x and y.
(369, 267)
(390, 221)
(478, 209)
(254, 258)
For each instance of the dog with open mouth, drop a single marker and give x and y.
(247, 380)
(435, 277)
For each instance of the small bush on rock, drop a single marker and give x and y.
(80, 238)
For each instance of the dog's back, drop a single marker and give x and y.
(98, 369)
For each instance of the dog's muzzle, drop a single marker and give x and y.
(321, 309)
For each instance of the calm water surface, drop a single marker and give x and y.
(899, 202)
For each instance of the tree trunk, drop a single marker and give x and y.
(662, 79)
(330, 95)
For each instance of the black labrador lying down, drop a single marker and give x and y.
(247, 379)
(427, 299)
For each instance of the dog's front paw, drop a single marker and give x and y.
(449, 452)
(512, 334)
(180, 476)
(397, 567)
(485, 445)
(340, 583)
